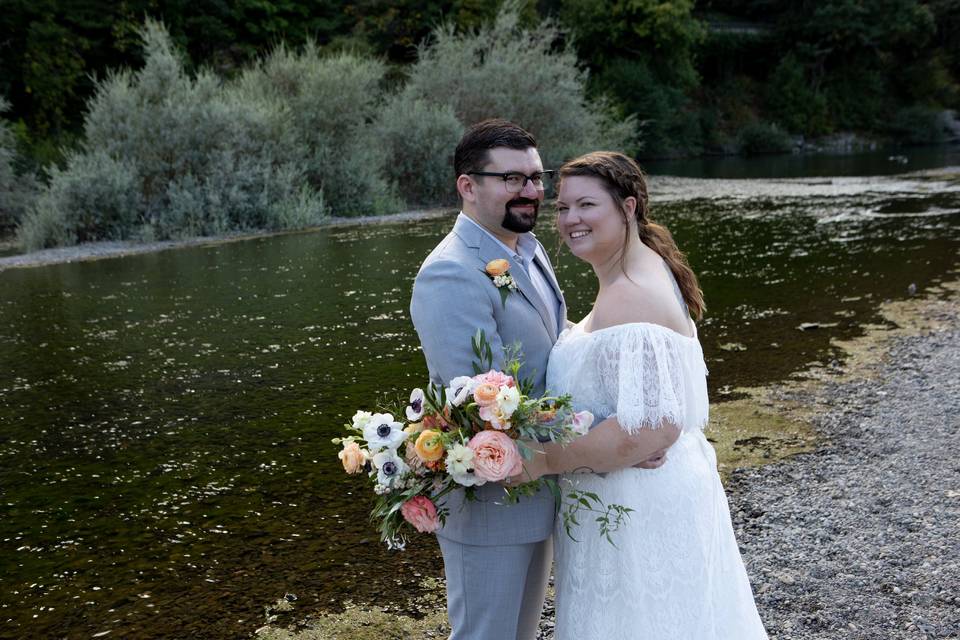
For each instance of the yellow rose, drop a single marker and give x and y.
(497, 267)
(413, 427)
(353, 457)
(429, 446)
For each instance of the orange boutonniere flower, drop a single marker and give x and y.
(499, 272)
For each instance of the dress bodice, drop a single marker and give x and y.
(645, 373)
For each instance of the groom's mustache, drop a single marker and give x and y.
(525, 201)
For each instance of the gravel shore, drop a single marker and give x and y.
(861, 539)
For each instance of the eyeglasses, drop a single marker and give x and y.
(515, 181)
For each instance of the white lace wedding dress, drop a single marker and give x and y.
(676, 571)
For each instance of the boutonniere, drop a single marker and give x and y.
(499, 272)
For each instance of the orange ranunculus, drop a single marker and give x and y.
(497, 267)
(429, 446)
(485, 394)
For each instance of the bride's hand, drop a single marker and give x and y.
(653, 462)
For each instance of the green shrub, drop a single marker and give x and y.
(918, 125)
(762, 137)
(326, 105)
(417, 140)
(16, 191)
(793, 103)
(858, 98)
(501, 70)
(670, 124)
(95, 197)
(184, 156)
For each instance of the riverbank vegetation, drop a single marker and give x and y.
(304, 132)
(271, 115)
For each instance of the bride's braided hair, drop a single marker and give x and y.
(623, 178)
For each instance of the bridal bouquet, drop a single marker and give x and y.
(461, 437)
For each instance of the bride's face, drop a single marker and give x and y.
(589, 220)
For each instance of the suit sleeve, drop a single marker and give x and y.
(449, 305)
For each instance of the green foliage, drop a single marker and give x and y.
(664, 31)
(857, 98)
(761, 137)
(918, 125)
(416, 140)
(503, 70)
(668, 117)
(792, 101)
(168, 155)
(16, 191)
(94, 198)
(327, 104)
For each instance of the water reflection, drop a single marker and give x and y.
(165, 464)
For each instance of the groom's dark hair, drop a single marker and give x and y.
(473, 152)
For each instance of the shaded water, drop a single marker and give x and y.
(165, 419)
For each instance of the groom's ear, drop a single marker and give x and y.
(466, 188)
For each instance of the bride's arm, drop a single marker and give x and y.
(607, 447)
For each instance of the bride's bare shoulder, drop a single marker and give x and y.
(625, 302)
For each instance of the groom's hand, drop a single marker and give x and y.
(654, 461)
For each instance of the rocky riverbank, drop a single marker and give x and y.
(859, 539)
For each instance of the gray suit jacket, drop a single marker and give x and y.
(452, 298)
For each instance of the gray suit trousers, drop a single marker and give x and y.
(496, 592)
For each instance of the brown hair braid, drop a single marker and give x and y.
(623, 178)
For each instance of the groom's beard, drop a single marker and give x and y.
(520, 222)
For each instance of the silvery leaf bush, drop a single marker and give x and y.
(502, 70)
(417, 139)
(203, 159)
(95, 197)
(328, 104)
(16, 191)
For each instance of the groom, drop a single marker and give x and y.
(496, 557)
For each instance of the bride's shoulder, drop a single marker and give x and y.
(625, 302)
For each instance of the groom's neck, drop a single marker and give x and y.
(508, 238)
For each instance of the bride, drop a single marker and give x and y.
(635, 362)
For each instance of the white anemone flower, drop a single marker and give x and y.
(415, 408)
(460, 389)
(390, 468)
(383, 432)
(467, 479)
(459, 459)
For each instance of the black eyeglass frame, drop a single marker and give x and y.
(505, 175)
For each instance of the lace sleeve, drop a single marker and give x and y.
(653, 379)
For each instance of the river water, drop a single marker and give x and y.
(165, 419)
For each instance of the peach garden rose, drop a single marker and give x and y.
(495, 456)
(352, 457)
(497, 267)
